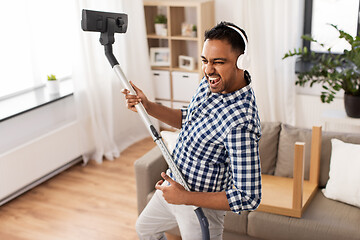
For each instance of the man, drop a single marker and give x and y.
(217, 148)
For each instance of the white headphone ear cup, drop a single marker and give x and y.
(239, 62)
(246, 62)
(243, 62)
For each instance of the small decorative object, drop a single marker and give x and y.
(186, 29)
(160, 57)
(186, 62)
(52, 84)
(160, 25)
(334, 72)
(194, 31)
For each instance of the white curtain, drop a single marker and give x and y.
(107, 127)
(273, 27)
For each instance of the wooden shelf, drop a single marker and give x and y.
(177, 69)
(194, 12)
(184, 70)
(154, 36)
(160, 68)
(178, 37)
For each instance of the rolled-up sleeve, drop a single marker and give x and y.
(184, 112)
(245, 191)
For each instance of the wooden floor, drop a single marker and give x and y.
(96, 202)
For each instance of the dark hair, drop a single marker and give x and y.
(222, 32)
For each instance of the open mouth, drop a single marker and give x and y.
(214, 81)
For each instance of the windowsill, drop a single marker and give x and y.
(25, 102)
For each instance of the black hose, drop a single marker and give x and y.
(204, 224)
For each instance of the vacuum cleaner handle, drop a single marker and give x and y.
(155, 135)
(204, 224)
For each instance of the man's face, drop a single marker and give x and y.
(219, 66)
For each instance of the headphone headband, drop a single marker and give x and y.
(241, 34)
(242, 61)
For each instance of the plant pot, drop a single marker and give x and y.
(352, 105)
(160, 29)
(53, 86)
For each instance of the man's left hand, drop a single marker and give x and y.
(174, 193)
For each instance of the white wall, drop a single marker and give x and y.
(25, 127)
(310, 111)
(41, 141)
(37, 142)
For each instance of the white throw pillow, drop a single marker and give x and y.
(344, 176)
(169, 139)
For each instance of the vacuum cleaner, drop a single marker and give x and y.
(108, 24)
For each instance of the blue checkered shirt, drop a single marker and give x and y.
(217, 148)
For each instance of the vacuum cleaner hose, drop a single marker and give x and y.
(204, 224)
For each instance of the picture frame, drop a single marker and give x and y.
(160, 57)
(186, 62)
(186, 29)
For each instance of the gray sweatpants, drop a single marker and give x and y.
(160, 216)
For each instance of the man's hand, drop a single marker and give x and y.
(173, 194)
(132, 100)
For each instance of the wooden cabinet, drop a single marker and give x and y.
(172, 44)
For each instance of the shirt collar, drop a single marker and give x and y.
(236, 95)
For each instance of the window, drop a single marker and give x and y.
(36, 41)
(320, 13)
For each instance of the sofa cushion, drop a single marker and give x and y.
(326, 151)
(236, 223)
(169, 138)
(268, 146)
(323, 219)
(344, 173)
(285, 160)
(289, 135)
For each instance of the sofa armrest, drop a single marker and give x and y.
(147, 173)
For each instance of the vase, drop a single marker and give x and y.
(53, 86)
(352, 105)
(160, 29)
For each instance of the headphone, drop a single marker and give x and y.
(243, 61)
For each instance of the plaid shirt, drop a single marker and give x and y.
(217, 148)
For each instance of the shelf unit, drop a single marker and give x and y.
(198, 12)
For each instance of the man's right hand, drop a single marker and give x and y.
(172, 117)
(133, 100)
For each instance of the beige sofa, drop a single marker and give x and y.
(323, 218)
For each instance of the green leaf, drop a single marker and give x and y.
(333, 72)
(51, 77)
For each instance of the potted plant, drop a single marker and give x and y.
(333, 71)
(52, 84)
(160, 25)
(194, 30)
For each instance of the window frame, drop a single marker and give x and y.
(303, 66)
(308, 21)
